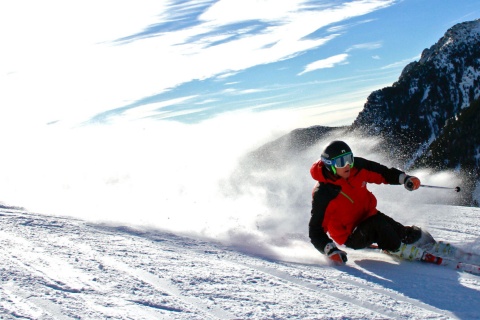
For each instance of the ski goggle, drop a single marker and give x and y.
(340, 161)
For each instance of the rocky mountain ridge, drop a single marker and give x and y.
(412, 113)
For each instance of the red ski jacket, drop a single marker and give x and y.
(339, 205)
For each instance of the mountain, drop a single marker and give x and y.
(64, 268)
(458, 146)
(286, 148)
(429, 118)
(430, 95)
(429, 92)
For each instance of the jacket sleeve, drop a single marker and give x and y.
(390, 175)
(322, 195)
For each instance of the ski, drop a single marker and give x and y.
(427, 257)
(469, 268)
(456, 258)
(446, 250)
(461, 266)
(430, 258)
(445, 254)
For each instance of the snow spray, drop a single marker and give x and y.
(190, 179)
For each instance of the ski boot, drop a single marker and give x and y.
(418, 237)
(408, 251)
(413, 252)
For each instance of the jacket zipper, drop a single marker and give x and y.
(346, 196)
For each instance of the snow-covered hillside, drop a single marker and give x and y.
(64, 268)
(137, 226)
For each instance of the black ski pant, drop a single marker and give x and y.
(380, 229)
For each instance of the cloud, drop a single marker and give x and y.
(73, 70)
(230, 11)
(326, 63)
(401, 63)
(365, 46)
(153, 108)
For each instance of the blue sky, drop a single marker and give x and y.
(188, 61)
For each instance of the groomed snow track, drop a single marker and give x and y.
(60, 268)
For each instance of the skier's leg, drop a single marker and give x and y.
(397, 226)
(407, 234)
(379, 229)
(375, 229)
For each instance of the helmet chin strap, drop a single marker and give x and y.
(334, 170)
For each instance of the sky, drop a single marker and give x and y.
(84, 62)
(114, 107)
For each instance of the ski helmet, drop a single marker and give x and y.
(337, 155)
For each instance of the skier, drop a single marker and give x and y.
(343, 207)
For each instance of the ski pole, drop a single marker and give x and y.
(457, 189)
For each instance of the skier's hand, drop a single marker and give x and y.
(411, 183)
(336, 255)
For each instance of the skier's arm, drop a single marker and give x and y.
(318, 236)
(381, 173)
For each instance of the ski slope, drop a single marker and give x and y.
(66, 268)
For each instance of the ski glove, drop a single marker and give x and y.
(336, 255)
(411, 183)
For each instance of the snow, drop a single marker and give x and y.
(125, 223)
(467, 83)
(476, 192)
(64, 268)
(425, 94)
